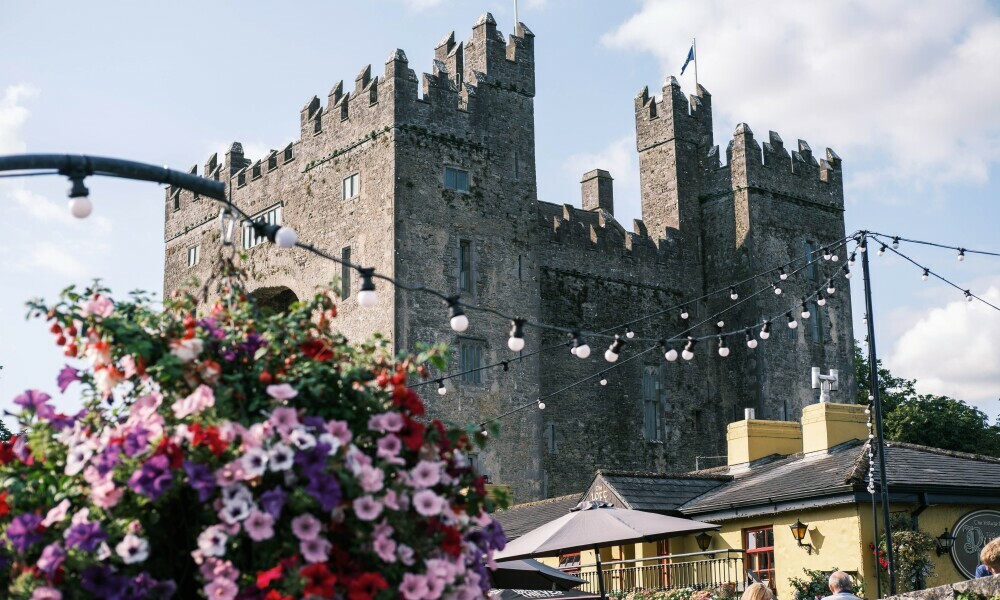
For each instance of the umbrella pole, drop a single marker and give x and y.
(600, 574)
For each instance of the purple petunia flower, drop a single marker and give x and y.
(104, 583)
(272, 501)
(496, 538)
(325, 490)
(209, 325)
(201, 478)
(67, 376)
(144, 586)
(52, 556)
(107, 460)
(23, 532)
(312, 461)
(253, 343)
(315, 423)
(36, 402)
(136, 442)
(85, 536)
(154, 478)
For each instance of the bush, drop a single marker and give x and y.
(227, 454)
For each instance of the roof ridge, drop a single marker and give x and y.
(943, 452)
(651, 474)
(577, 496)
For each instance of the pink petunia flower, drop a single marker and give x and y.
(413, 587)
(46, 593)
(427, 503)
(284, 419)
(259, 526)
(389, 448)
(315, 551)
(340, 430)
(367, 508)
(426, 474)
(405, 554)
(221, 589)
(385, 548)
(197, 401)
(306, 527)
(57, 514)
(281, 391)
(372, 479)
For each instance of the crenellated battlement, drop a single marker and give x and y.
(599, 230)
(673, 116)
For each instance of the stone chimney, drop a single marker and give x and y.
(751, 439)
(598, 191)
(827, 424)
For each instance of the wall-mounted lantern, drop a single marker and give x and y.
(704, 540)
(799, 530)
(945, 541)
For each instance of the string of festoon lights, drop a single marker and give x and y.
(671, 354)
(892, 245)
(628, 334)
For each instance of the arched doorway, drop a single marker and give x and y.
(274, 300)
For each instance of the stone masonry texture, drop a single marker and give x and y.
(704, 226)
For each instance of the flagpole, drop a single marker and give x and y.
(515, 17)
(694, 44)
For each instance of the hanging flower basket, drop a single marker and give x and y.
(225, 454)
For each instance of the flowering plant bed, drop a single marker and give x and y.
(227, 454)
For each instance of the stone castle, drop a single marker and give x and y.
(439, 188)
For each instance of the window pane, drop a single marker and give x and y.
(345, 273)
(462, 181)
(449, 177)
(465, 265)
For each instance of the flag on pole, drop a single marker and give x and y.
(689, 59)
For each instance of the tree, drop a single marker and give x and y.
(928, 420)
(4, 432)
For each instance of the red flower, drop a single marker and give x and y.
(265, 578)
(408, 401)
(209, 437)
(413, 434)
(7, 450)
(4, 507)
(399, 377)
(316, 350)
(319, 580)
(452, 542)
(172, 451)
(366, 586)
(276, 595)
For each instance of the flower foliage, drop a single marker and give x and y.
(711, 593)
(817, 585)
(226, 454)
(911, 553)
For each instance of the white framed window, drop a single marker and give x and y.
(194, 255)
(456, 179)
(271, 216)
(352, 186)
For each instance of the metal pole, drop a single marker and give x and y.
(878, 570)
(879, 439)
(694, 45)
(600, 575)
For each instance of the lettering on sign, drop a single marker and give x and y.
(973, 531)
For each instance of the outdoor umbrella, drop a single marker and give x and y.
(524, 594)
(590, 525)
(530, 574)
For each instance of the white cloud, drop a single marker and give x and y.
(58, 259)
(12, 115)
(419, 5)
(954, 350)
(41, 208)
(621, 160)
(916, 80)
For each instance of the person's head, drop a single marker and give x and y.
(990, 556)
(757, 591)
(840, 582)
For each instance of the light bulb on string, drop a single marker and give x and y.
(483, 432)
(835, 257)
(604, 379)
(516, 340)
(629, 333)
(684, 313)
(751, 340)
(459, 322)
(863, 246)
(777, 289)
(613, 351)
(820, 299)
(541, 405)
(826, 253)
(926, 275)
(733, 294)
(441, 389)
(852, 258)
(847, 272)
(723, 348)
(367, 296)
(781, 273)
(895, 242)
(580, 347)
(830, 290)
(670, 355)
(968, 296)
(720, 323)
(765, 330)
(961, 254)
(79, 201)
(792, 323)
(805, 311)
(286, 237)
(881, 250)
(688, 352)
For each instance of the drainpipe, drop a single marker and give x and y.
(915, 521)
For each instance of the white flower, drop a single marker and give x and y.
(133, 549)
(332, 441)
(281, 458)
(234, 512)
(77, 458)
(212, 541)
(187, 350)
(254, 463)
(103, 551)
(302, 439)
(237, 493)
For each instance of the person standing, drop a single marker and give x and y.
(841, 586)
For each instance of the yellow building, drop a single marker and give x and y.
(779, 473)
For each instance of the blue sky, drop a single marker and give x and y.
(905, 91)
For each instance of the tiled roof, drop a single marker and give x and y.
(522, 518)
(659, 492)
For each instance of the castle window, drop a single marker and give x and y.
(271, 216)
(256, 171)
(241, 178)
(194, 255)
(816, 324)
(352, 186)
(288, 153)
(475, 463)
(812, 271)
(517, 166)
(373, 94)
(519, 270)
(345, 273)
(343, 109)
(318, 123)
(652, 404)
(551, 434)
(456, 179)
(177, 200)
(465, 265)
(272, 161)
(470, 357)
